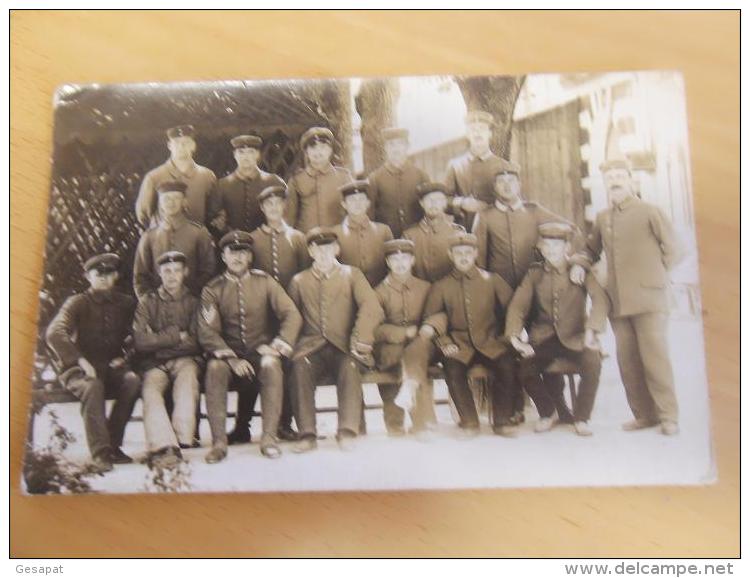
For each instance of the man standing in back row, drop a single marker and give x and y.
(199, 181)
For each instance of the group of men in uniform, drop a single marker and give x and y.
(327, 276)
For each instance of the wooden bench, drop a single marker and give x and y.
(52, 392)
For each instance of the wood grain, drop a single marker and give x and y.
(50, 48)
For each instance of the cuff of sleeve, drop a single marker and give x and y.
(582, 260)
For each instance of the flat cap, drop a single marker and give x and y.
(508, 168)
(171, 187)
(321, 236)
(273, 191)
(315, 135)
(394, 133)
(479, 116)
(182, 130)
(398, 246)
(171, 257)
(104, 263)
(236, 240)
(246, 141)
(429, 187)
(612, 164)
(555, 231)
(463, 239)
(355, 187)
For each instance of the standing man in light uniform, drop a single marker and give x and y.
(314, 191)
(180, 166)
(641, 248)
(471, 177)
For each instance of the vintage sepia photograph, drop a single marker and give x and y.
(394, 283)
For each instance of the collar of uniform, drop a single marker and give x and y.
(470, 274)
(254, 175)
(393, 169)
(351, 224)
(232, 277)
(394, 283)
(177, 223)
(627, 202)
(177, 173)
(315, 172)
(431, 225)
(101, 296)
(320, 276)
(483, 157)
(268, 229)
(165, 296)
(517, 206)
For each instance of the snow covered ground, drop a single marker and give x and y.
(556, 458)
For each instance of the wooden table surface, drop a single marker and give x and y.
(50, 48)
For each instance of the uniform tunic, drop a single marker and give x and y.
(474, 303)
(555, 306)
(237, 196)
(314, 197)
(200, 182)
(641, 247)
(93, 325)
(472, 176)
(362, 246)
(159, 319)
(242, 313)
(338, 308)
(431, 242)
(508, 236)
(182, 235)
(282, 253)
(393, 192)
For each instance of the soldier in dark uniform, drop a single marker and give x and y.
(554, 310)
(474, 301)
(235, 203)
(199, 180)
(471, 177)
(393, 186)
(432, 235)
(362, 240)
(87, 336)
(398, 344)
(641, 247)
(507, 232)
(340, 312)
(174, 232)
(281, 252)
(165, 331)
(239, 311)
(314, 195)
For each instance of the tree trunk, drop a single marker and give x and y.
(334, 105)
(496, 95)
(375, 102)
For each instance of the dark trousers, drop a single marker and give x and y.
(645, 368)
(589, 362)
(414, 364)
(247, 397)
(102, 434)
(501, 379)
(319, 367)
(268, 378)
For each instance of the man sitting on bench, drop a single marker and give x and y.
(240, 311)
(165, 334)
(340, 312)
(87, 335)
(554, 309)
